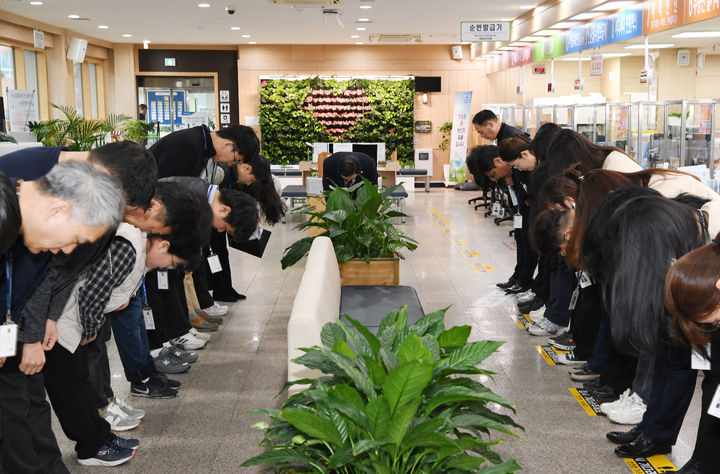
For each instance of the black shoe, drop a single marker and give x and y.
(642, 447)
(691, 467)
(564, 342)
(153, 388)
(237, 295)
(516, 288)
(623, 437)
(593, 385)
(164, 379)
(224, 296)
(605, 394)
(506, 284)
(533, 305)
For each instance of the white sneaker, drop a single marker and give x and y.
(216, 310)
(569, 359)
(525, 296)
(189, 342)
(544, 328)
(129, 411)
(118, 419)
(617, 403)
(628, 413)
(203, 336)
(537, 315)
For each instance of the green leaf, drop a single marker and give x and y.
(375, 371)
(340, 458)
(406, 383)
(349, 394)
(463, 461)
(414, 349)
(365, 445)
(370, 337)
(432, 345)
(504, 468)
(451, 395)
(433, 324)
(313, 425)
(400, 422)
(418, 435)
(331, 333)
(389, 359)
(468, 421)
(473, 353)
(378, 413)
(295, 252)
(286, 456)
(341, 347)
(454, 337)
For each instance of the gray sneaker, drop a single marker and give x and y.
(182, 354)
(168, 363)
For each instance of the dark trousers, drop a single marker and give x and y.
(673, 387)
(562, 284)
(131, 338)
(99, 366)
(599, 359)
(28, 443)
(541, 283)
(201, 281)
(169, 307)
(707, 450)
(220, 281)
(73, 399)
(526, 258)
(585, 321)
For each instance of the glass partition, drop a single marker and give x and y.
(518, 115)
(618, 125)
(546, 115)
(671, 150)
(564, 116)
(531, 120)
(698, 125)
(585, 120)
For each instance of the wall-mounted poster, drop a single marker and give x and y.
(423, 126)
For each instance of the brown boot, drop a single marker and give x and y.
(203, 326)
(210, 319)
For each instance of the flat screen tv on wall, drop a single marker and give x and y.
(427, 83)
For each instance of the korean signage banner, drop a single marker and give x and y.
(480, 31)
(618, 27)
(596, 64)
(662, 15)
(698, 10)
(23, 105)
(549, 48)
(459, 136)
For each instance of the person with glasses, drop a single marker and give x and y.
(692, 296)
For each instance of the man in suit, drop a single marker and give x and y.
(489, 126)
(346, 168)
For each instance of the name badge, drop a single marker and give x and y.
(214, 263)
(148, 317)
(714, 409)
(574, 298)
(8, 340)
(501, 212)
(495, 209)
(517, 221)
(698, 362)
(162, 280)
(585, 280)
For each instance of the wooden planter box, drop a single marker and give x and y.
(380, 271)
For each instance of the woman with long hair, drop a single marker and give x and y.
(692, 296)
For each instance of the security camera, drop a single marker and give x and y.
(230, 10)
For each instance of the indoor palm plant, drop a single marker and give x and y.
(74, 131)
(359, 228)
(398, 401)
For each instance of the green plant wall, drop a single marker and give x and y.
(293, 112)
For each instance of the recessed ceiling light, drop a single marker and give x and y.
(650, 46)
(127, 35)
(698, 34)
(361, 28)
(519, 43)
(611, 6)
(234, 28)
(564, 25)
(252, 42)
(531, 39)
(146, 43)
(73, 16)
(358, 42)
(204, 5)
(615, 55)
(354, 36)
(103, 27)
(36, 3)
(585, 16)
(245, 36)
(363, 20)
(545, 33)
(366, 7)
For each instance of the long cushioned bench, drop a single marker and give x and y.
(320, 299)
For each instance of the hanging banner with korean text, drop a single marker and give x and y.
(459, 136)
(23, 108)
(480, 31)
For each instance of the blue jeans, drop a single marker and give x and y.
(128, 326)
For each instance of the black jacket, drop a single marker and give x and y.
(183, 153)
(507, 131)
(331, 172)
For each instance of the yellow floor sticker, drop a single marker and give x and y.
(523, 321)
(447, 223)
(445, 231)
(453, 231)
(438, 223)
(464, 242)
(474, 267)
(462, 253)
(589, 404)
(654, 464)
(549, 353)
(434, 209)
(474, 253)
(487, 267)
(440, 216)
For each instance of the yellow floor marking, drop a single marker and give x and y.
(545, 355)
(453, 231)
(583, 403)
(659, 463)
(464, 242)
(474, 267)
(474, 253)
(446, 223)
(445, 232)
(487, 267)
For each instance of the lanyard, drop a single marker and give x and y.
(205, 150)
(8, 277)
(144, 292)
(702, 225)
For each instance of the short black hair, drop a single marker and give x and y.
(482, 158)
(133, 165)
(243, 215)
(142, 106)
(245, 139)
(10, 218)
(348, 165)
(483, 116)
(263, 189)
(547, 230)
(188, 214)
(181, 248)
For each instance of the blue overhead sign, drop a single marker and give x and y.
(625, 25)
(619, 27)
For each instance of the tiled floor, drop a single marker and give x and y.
(207, 428)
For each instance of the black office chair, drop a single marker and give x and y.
(481, 180)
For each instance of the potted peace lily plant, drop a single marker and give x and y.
(367, 244)
(398, 401)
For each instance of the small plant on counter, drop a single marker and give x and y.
(398, 401)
